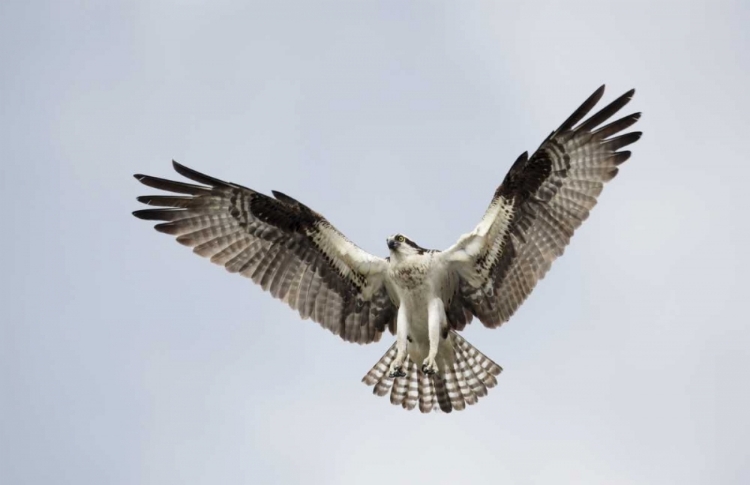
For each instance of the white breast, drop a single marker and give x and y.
(417, 279)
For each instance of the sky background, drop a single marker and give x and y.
(126, 359)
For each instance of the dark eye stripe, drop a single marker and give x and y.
(411, 243)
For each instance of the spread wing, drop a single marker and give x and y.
(284, 246)
(535, 211)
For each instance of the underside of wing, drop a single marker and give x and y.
(284, 246)
(536, 210)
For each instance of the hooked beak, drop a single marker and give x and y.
(392, 244)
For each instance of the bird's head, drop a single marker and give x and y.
(403, 246)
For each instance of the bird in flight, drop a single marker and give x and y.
(423, 296)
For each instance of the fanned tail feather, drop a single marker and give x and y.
(464, 383)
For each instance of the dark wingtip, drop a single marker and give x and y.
(621, 157)
(165, 228)
(622, 141)
(598, 94)
(582, 110)
(628, 95)
(182, 169)
(605, 113)
(198, 176)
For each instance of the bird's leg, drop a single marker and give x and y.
(435, 318)
(402, 334)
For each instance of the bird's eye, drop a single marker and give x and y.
(400, 239)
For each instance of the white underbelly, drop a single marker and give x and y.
(417, 304)
(414, 300)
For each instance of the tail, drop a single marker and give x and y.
(464, 383)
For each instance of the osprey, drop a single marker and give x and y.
(424, 296)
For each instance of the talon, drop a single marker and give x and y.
(397, 372)
(429, 368)
(396, 369)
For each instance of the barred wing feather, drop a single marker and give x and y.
(535, 211)
(282, 245)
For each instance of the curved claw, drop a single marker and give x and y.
(397, 372)
(428, 369)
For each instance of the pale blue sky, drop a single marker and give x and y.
(126, 359)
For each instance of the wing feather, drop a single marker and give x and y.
(535, 212)
(282, 245)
